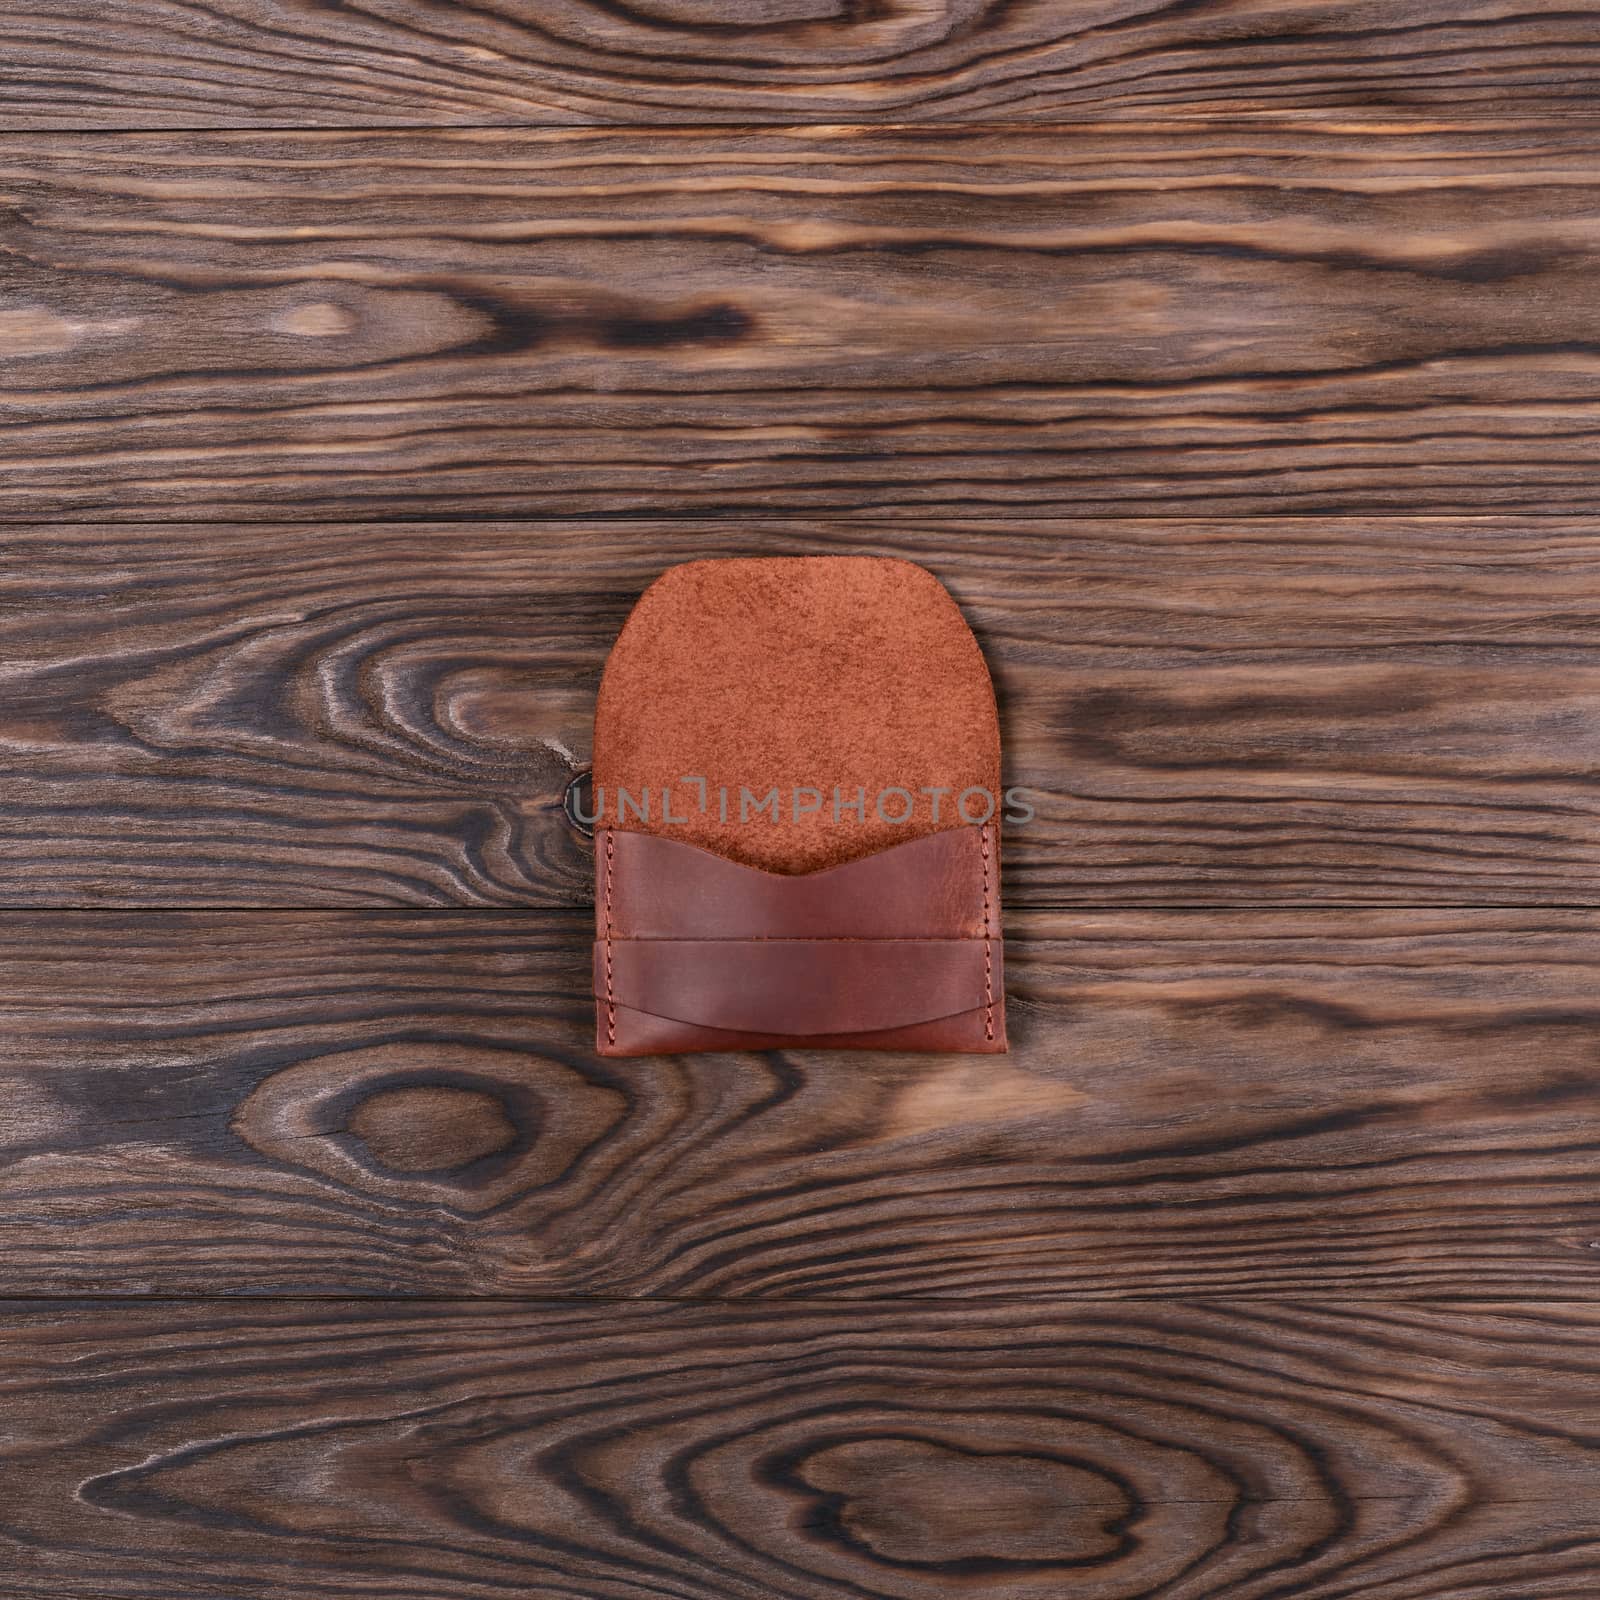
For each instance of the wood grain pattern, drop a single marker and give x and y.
(1387, 1104)
(1242, 386)
(232, 63)
(448, 1451)
(1152, 319)
(1285, 711)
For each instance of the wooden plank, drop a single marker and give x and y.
(1290, 711)
(181, 64)
(1207, 1452)
(1388, 1104)
(1156, 319)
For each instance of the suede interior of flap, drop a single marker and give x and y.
(854, 673)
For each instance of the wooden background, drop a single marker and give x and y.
(1236, 363)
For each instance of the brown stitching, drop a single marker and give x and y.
(611, 997)
(988, 943)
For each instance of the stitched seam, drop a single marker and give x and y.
(611, 996)
(988, 943)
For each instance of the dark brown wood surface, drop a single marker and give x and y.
(1385, 1104)
(884, 1452)
(1292, 712)
(1237, 365)
(188, 64)
(1150, 319)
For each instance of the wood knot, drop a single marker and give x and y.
(466, 1126)
(432, 1128)
(921, 1502)
(318, 320)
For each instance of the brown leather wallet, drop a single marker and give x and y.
(797, 790)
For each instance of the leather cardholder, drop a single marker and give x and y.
(796, 790)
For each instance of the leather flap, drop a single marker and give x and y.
(797, 986)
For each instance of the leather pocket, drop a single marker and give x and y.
(803, 987)
(898, 950)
